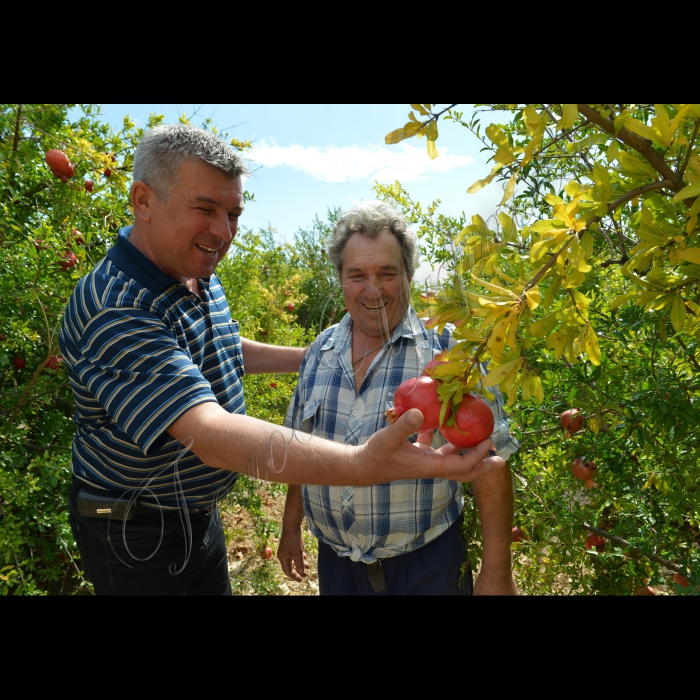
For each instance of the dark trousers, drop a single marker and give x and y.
(433, 569)
(148, 557)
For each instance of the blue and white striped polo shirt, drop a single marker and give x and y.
(141, 349)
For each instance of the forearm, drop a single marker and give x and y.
(260, 358)
(493, 493)
(293, 508)
(250, 446)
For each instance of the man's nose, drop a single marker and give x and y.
(223, 228)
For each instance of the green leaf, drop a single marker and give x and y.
(678, 314)
(689, 191)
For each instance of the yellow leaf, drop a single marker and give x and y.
(678, 314)
(432, 150)
(537, 389)
(645, 131)
(509, 230)
(591, 347)
(494, 288)
(513, 391)
(569, 114)
(480, 184)
(421, 110)
(532, 296)
(592, 423)
(396, 136)
(689, 191)
(619, 301)
(510, 188)
(497, 375)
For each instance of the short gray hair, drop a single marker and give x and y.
(163, 149)
(369, 218)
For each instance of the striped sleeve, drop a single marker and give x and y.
(132, 365)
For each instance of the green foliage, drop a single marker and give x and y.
(41, 219)
(583, 292)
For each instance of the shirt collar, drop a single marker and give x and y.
(410, 327)
(135, 264)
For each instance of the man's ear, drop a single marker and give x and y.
(142, 197)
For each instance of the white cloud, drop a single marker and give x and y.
(404, 162)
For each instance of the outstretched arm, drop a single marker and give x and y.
(493, 493)
(240, 443)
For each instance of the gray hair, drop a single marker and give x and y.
(163, 149)
(369, 218)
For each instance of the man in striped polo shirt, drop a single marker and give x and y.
(155, 364)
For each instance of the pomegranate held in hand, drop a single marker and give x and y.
(437, 360)
(473, 423)
(420, 393)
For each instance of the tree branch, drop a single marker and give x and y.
(641, 145)
(17, 123)
(690, 149)
(691, 357)
(634, 551)
(545, 268)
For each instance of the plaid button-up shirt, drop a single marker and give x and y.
(375, 522)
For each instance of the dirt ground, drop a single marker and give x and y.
(250, 573)
(253, 575)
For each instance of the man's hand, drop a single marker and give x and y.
(291, 554)
(445, 463)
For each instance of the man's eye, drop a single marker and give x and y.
(205, 210)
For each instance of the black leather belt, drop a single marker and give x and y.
(95, 503)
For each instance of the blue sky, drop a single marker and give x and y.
(311, 157)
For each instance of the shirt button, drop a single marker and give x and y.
(354, 413)
(354, 543)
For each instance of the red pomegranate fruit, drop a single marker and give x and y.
(596, 541)
(473, 423)
(54, 362)
(680, 580)
(68, 260)
(57, 161)
(518, 535)
(583, 469)
(437, 360)
(571, 420)
(644, 590)
(420, 393)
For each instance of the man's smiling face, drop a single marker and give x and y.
(375, 288)
(191, 232)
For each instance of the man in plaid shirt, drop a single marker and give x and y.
(401, 537)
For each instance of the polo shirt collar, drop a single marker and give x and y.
(135, 264)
